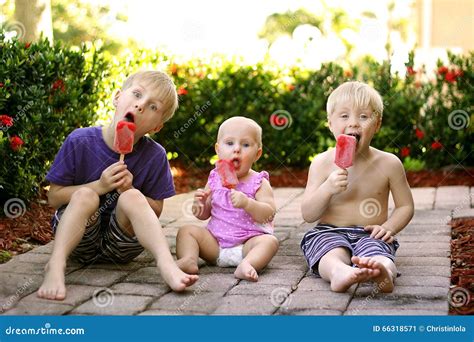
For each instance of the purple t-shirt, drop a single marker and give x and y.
(84, 155)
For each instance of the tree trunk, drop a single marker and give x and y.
(33, 19)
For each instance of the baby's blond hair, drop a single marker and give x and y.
(165, 89)
(250, 122)
(361, 95)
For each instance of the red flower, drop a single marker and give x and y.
(442, 70)
(290, 87)
(405, 151)
(59, 84)
(182, 91)
(16, 143)
(27, 45)
(436, 145)
(1, 85)
(450, 76)
(410, 71)
(348, 73)
(419, 133)
(6, 120)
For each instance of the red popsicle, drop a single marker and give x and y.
(226, 170)
(345, 150)
(124, 136)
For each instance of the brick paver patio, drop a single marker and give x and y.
(286, 287)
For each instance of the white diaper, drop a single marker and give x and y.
(230, 257)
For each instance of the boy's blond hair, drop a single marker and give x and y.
(361, 95)
(255, 126)
(165, 89)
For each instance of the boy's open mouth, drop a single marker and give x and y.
(355, 135)
(129, 117)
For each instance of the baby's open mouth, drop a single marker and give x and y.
(236, 162)
(129, 117)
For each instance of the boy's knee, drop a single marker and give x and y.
(85, 197)
(131, 197)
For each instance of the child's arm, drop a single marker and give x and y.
(262, 208)
(321, 188)
(112, 177)
(402, 198)
(202, 203)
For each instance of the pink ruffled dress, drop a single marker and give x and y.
(229, 225)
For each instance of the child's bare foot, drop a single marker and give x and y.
(346, 276)
(53, 286)
(177, 279)
(188, 265)
(246, 271)
(384, 276)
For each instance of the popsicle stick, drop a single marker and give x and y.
(122, 157)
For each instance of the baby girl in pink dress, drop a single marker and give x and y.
(240, 231)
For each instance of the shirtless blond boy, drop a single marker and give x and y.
(350, 205)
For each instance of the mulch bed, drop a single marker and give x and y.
(462, 267)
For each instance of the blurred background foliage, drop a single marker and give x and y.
(47, 90)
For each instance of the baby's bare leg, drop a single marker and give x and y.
(384, 268)
(135, 214)
(193, 242)
(84, 203)
(335, 267)
(258, 252)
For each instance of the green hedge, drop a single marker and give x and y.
(45, 92)
(426, 118)
(49, 91)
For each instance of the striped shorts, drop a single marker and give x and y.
(325, 237)
(103, 241)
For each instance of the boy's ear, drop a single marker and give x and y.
(216, 147)
(330, 124)
(379, 123)
(157, 128)
(116, 97)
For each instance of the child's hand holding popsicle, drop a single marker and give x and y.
(123, 144)
(345, 150)
(124, 138)
(226, 171)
